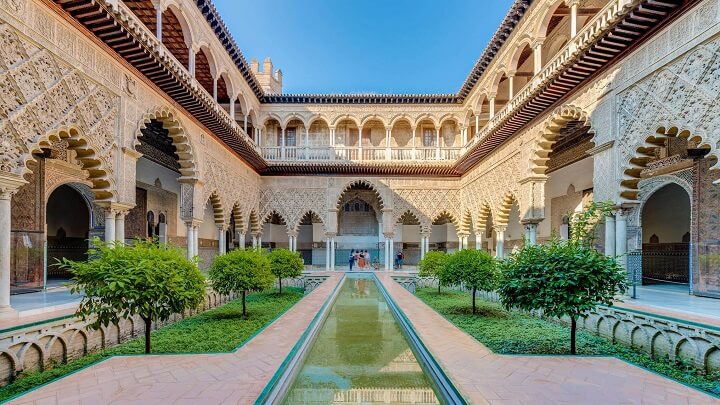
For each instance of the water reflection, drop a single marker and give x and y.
(360, 355)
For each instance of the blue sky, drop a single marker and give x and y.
(365, 46)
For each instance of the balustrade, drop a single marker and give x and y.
(324, 153)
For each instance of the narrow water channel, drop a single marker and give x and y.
(360, 355)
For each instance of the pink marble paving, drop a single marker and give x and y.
(227, 378)
(487, 378)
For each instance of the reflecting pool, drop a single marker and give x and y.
(360, 355)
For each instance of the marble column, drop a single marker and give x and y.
(537, 56)
(110, 215)
(327, 253)
(196, 239)
(392, 252)
(5, 243)
(158, 22)
(332, 253)
(621, 237)
(190, 240)
(241, 240)
(478, 240)
(387, 253)
(610, 235)
(221, 240)
(499, 242)
(254, 242)
(120, 227)
(531, 233)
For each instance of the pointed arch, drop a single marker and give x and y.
(373, 117)
(445, 214)
(344, 117)
(551, 129)
(360, 183)
(218, 210)
(485, 213)
(292, 117)
(643, 153)
(318, 118)
(314, 215)
(88, 154)
(283, 221)
(503, 211)
(399, 118)
(180, 139)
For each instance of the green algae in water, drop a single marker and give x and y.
(360, 355)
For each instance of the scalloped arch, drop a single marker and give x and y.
(551, 129)
(178, 134)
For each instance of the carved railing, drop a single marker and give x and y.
(597, 25)
(339, 153)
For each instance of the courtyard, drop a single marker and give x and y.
(353, 221)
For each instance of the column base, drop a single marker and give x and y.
(8, 313)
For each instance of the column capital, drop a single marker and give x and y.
(534, 179)
(389, 235)
(537, 42)
(292, 232)
(9, 185)
(500, 228)
(531, 221)
(571, 3)
(330, 235)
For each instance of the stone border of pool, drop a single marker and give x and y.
(279, 385)
(446, 390)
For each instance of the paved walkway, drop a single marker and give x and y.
(234, 378)
(487, 378)
(674, 301)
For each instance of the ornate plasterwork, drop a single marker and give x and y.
(680, 99)
(41, 100)
(293, 204)
(428, 204)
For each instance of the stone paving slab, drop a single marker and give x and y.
(487, 378)
(226, 378)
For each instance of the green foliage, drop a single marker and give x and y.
(285, 264)
(512, 332)
(146, 278)
(215, 330)
(561, 279)
(241, 271)
(432, 265)
(584, 223)
(474, 269)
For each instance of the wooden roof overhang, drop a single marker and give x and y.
(137, 46)
(143, 52)
(370, 168)
(636, 26)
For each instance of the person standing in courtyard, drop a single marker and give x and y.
(367, 259)
(351, 259)
(361, 260)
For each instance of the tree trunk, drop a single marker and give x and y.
(280, 284)
(243, 298)
(573, 330)
(148, 329)
(474, 290)
(438, 286)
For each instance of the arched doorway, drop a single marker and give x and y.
(68, 224)
(666, 236)
(360, 226)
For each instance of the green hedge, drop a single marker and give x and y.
(512, 332)
(220, 329)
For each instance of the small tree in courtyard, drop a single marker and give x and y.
(285, 264)
(148, 279)
(432, 265)
(475, 269)
(564, 278)
(241, 271)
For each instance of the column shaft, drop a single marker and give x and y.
(190, 240)
(120, 227)
(621, 238)
(109, 225)
(5, 243)
(610, 236)
(500, 244)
